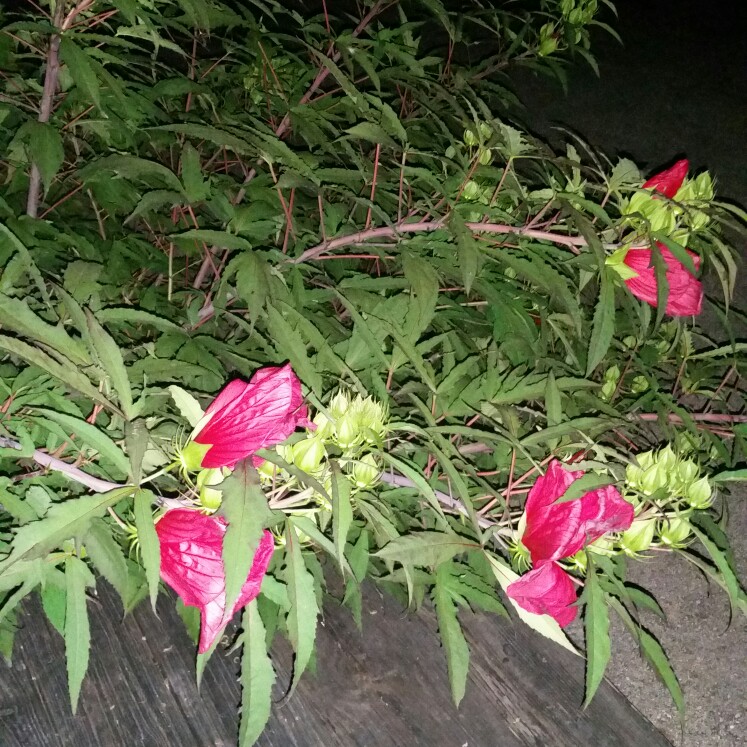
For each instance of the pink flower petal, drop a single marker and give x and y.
(548, 590)
(669, 181)
(685, 296)
(559, 530)
(192, 565)
(247, 417)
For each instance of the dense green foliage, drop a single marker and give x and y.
(192, 190)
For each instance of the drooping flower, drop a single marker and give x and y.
(685, 297)
(669, 181)
(192, 565)
(246, 417)
(547, 590)
(558, 530)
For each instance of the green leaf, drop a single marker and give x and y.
(77, 632)
(304, 609)
(6, 281)
(246, 510)
(189, 408)
(136, 169)
(68, 373)
(81, 70)
(596, 629)
(114, 314)
(342, 512)
(64, 520)
(54, 603)
(257, 677)
(45, 147)
(211, 238)
(426, 548)
(542, 624)
(195, 187)
(721, 562)
(91, 435)
(136, 438)
(17, 316)
(732, 475)
(452, 637)
(585, 484)
(110, 356)
(107, 556)
(603, 326)
(148, 543)
(553, 405)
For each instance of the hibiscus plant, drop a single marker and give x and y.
(286, 296)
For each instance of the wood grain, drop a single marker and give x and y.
(386, 687)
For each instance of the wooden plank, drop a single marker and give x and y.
(387, 687)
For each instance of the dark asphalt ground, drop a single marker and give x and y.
(678, 87)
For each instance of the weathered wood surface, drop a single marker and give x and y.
(385, 688)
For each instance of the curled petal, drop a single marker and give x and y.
(548, 590)
(247, 417)
(669, 181)
(559, 530)
(685, 296)
(192, 565)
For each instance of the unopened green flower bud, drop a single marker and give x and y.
(699, 494)
(667, 459)
(485, 156)
(579, 561)
(347, 432)
(308, 454)
(191, 456)
(325, 428)
(639, 537)
(469, 138)
(338, 405)
(639, 384)
(370, 418)
(687, 472)
(365, 471)
(674, 532)
(486, 131)
(654, 478)
(548, 42)
(210, 495)
(471, 191)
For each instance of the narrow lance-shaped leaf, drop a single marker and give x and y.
(342, 512)
(603, 326)
(110, 355)
(596, 629)
(148, 544)
(452, 638)
(426, 548)
(303, 611)
(107, 556)
(77, 632)
(246, 510)
(257, 677)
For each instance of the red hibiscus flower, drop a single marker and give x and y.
(559, 530)
(669, 181)
(546, 591)
(685, 297)
(244, 418)
(192, 565)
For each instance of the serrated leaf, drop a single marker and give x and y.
(148, 544)
(303, 612)
(189, 408)
(721, 562)
(110, 356)
(136, 439)
(257, 677)
(553, 405)
(245, 508)
(136, 316)
(64, 520)
(342, 512)
(585, 484)
(603, 326)
(596, 630)
(425, 548)
(45, 148)
(80, 68)
(90, 435)
(542, 624)
(195, 187)
(212, 238)
(67, 373)
(452, 637)
(17, 316)
(107, 556)
(77, 632)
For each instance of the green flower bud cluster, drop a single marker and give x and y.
(548, 40)
(609, 382)
(578, 13)
(677, 217)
